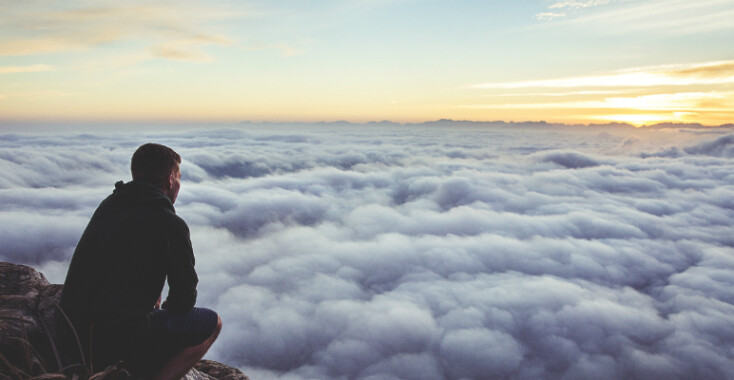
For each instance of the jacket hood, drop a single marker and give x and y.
(141, 193)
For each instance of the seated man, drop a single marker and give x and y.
(133, 243)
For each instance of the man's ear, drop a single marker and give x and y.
(170, 181)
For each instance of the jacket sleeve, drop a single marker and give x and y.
(182, 278)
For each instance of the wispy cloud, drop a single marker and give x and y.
(185, 49)
(679, 107)
(34, 32)
(285, 49)
(711, 70)
(546, 16)
(680, 92)
(24, 69)
(700, 101)
(577, 4)
(179, 54)
(556, 94)
(677, 17)
(668, 16)
(566, 6)
(709, 73)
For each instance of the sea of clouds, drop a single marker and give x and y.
(425, 252)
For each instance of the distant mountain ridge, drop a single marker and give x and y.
(498, 123)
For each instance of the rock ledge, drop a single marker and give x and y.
(27, 314)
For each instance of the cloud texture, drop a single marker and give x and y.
(426, 253)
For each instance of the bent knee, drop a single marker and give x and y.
(216, 331)
(219, 325)
(213, 337)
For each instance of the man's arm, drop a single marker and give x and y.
(182, 278)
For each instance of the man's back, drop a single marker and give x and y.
(132, 243)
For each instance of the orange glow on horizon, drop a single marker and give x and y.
(638, 120)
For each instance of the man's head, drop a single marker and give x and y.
(157, 165)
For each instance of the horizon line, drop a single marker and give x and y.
(189, 122)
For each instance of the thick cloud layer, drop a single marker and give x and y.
(426, 253)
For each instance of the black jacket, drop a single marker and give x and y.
(133, 242)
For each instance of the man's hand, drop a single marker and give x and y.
(158, 303)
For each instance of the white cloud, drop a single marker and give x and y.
(576, 4)
(411, 252)
(637, 95)
(568, 5)
(676, 17)
(707, 73)
(547, 16)
(83, 25)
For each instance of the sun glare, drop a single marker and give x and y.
(638, 120)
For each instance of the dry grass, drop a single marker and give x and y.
(29, 364)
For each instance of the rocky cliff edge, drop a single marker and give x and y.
(27, 335)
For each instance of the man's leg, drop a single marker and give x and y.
(181, 362)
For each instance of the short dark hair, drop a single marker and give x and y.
(153, 163)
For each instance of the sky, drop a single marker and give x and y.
(562, 61)
(427, 252)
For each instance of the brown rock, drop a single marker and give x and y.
(18, 279)
(220, 371)
(194, 374)
(28, 307)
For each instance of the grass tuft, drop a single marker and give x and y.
(32, 366)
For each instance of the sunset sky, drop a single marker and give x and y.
(570, 61)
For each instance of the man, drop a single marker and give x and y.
(133, 243)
